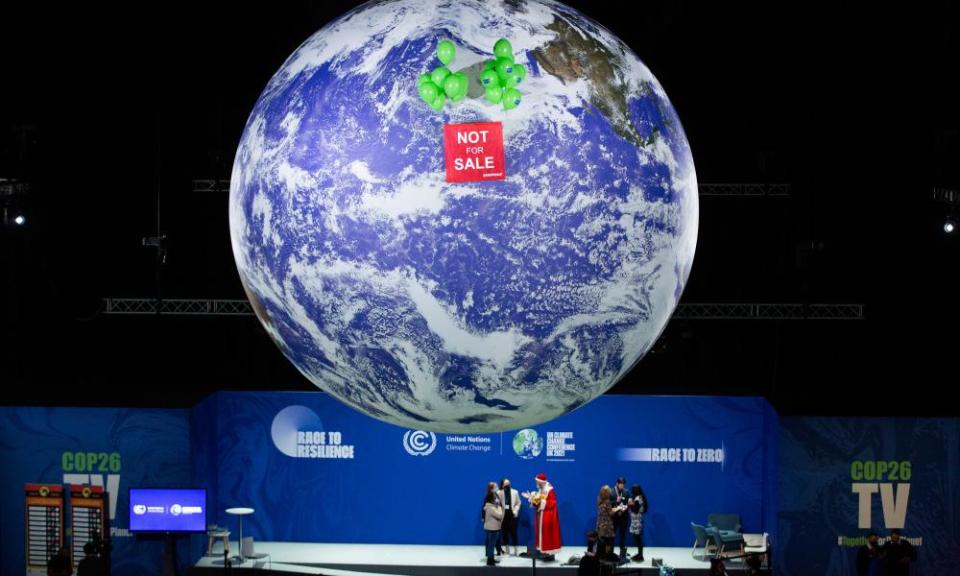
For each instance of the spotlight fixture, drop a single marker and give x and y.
(14, 196)
(951, 198)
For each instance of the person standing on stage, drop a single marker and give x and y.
(546, 530)
(899, 554)
(869, 558)
(510, 499)
(605, 522)
(637, 507)
(618, 503)
(492, 487)
(492, 517)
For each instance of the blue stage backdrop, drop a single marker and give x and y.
(316, 471)
(115, 448)
(840, 478)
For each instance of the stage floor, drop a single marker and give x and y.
(416, 560)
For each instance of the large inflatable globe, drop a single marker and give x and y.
(463, 307)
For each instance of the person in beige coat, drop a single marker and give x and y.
(492, 519)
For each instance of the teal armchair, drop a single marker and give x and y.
(725, 522)
(701, 539)
(725, 539)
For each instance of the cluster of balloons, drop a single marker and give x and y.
(441, 83)
(499, 78)
(501, 75)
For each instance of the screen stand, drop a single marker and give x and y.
(169, 556)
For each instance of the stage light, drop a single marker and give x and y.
(950, 197)
(13, 201)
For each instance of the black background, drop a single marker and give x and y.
(856, 108)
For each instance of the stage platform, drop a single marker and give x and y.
(415, 560)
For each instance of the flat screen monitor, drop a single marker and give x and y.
(168, 509)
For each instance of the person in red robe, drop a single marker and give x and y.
(547, 529)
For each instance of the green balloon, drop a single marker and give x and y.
(439, 74)
(510, 82)
(503, 49)
(446, 51)
(511, 98)
(504, 68)
(489, 78)
(438, 102)
(424, 78)
(451, 85)
(520, 72)
(494, 95)
(428, 92)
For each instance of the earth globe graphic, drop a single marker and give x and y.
(527, 444)
(470, 306)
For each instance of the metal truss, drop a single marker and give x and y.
(751, 190)
(176, 307)
(684, 311)
(742, 189)
(947, 196)
(208, 185)
(767, 311)
(13, 187)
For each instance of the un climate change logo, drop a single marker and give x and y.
(419, 443)
(527, 444)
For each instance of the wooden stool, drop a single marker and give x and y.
(213, 535)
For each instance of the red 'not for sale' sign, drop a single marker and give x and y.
(474, 152)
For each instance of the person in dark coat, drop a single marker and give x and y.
(869, 559)
(621, 520)
(92, 564)
(898, 554)
(59, 564)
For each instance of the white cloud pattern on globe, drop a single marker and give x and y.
(463, 307)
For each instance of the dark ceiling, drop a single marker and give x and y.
(856, 108)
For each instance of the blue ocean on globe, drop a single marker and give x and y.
(463, 307)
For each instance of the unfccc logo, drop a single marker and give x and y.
(419, 443)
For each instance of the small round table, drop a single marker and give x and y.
(240, 513)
